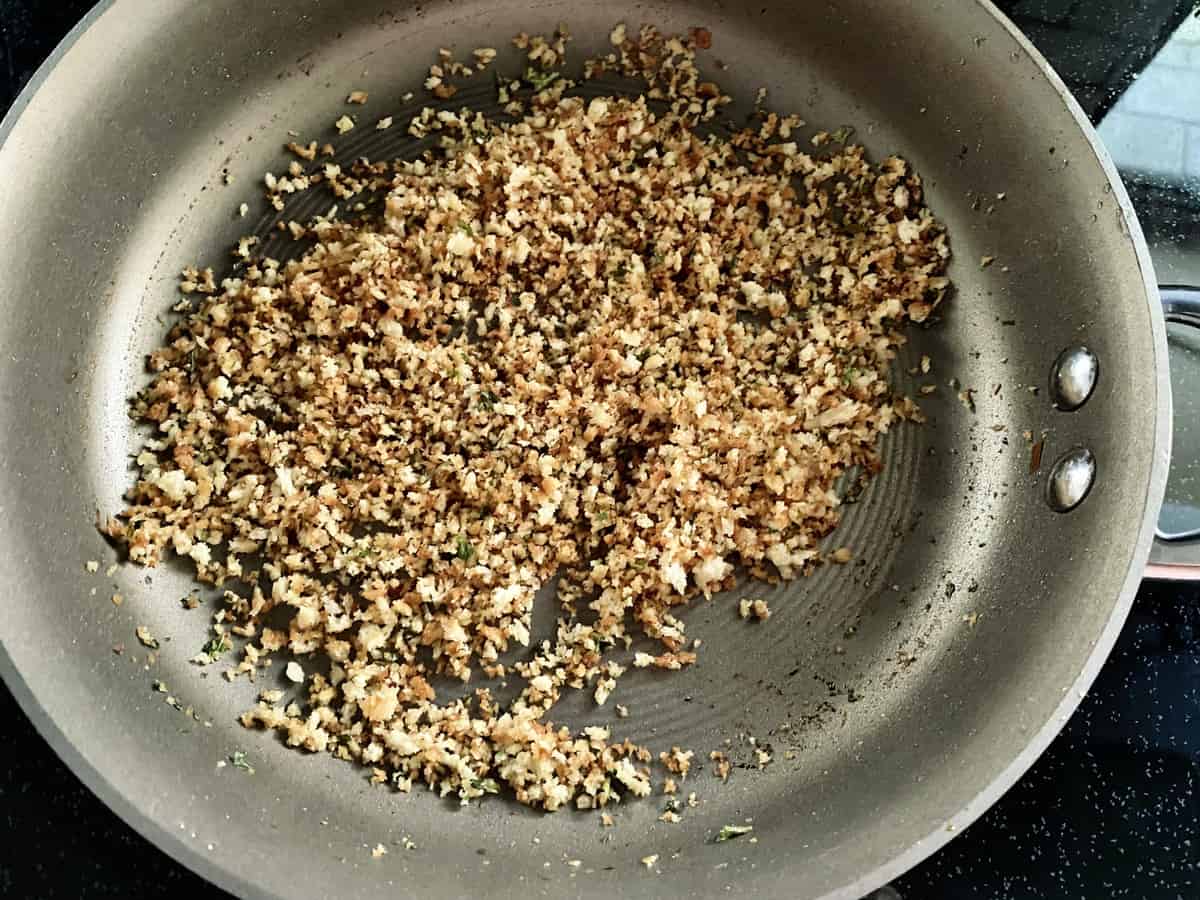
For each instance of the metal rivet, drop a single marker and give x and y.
(1073, 377)
(1070, 479)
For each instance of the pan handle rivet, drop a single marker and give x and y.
(1073, 377)
(1071, 478)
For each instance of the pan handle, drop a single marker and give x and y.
(1181, 306)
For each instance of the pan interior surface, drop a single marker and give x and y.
(896, 696)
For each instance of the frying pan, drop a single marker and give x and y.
(899, 696)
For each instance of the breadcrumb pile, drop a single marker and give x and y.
(595, 338)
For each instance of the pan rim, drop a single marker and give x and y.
(1156, 490)
(228, 878)
(91, 777)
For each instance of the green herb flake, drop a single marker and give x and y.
(463, 549)
(487, 785)
(216, 647)
(466, 228)
(488, 401)
(842, 134)
(538, 79)
(238, 758)
(729, 832)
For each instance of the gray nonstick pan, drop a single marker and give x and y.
(900, 696)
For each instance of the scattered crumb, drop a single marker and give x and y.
(986, 261)
(1035, 456)
(111, 570)
(304, 151)
(649, 861)
(117, 599)
(359, 97)
(384, 124)
(147, 639)
(243, 209)
(294, 672)
(379, 852)
(721, 764)
(606, 820)
(670, 817)
(92, 566)
(344, 124)
(842, 555)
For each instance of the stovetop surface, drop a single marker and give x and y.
(1111, 810)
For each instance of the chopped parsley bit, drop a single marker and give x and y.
(488, 401)
(463, 549)
(487, 785)
(467, 229)
(238, 758)
(540, 80)
(842, 134)
(849, 375)
(215, 647)
(729, 832)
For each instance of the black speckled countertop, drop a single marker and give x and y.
(1111, 810)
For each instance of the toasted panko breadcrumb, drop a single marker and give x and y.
(590, 342)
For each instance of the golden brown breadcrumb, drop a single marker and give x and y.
(593, 341)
